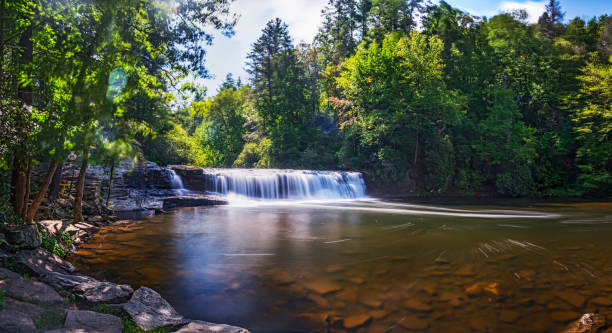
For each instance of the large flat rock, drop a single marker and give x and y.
(39, 262)
(7, 274)
(16, 322)
(205, 327)
(31, 310)
(89, 321)
(90, 289)
(29, 290)
(150, 311)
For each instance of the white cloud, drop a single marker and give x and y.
(228, 55)
(533, 8)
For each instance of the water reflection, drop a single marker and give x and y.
(369, 266)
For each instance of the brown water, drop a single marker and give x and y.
(370, 266)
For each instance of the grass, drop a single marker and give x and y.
(49, 321)
(129, 326)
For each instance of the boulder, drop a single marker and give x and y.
(89, 321)
(588, 323)
(90, 289)
(15, 322)
(204, 327)
(55, 227)
(7, 274)
(38, 262)
(20, 237)
(193, 201)
(150, 311)
(31, 310)
(29, 290)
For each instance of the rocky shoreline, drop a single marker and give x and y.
(41, 292)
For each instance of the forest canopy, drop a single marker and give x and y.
(403, 91)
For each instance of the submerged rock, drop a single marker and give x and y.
(29, 290)
(89, 321)
(150, 311)
(322, 287)
(572, 298)
(193, 201)
(588, 323)
(90, 289)
(19, 237)
(204, 327)
(355, 321)
(38, 262)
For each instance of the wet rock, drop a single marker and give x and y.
(417, 305)
(588, 323)
(372, 303)
(467, 270)
(481, 288)
(442, 261)
(378, 314)
(479, 324)
(16, 322)
(89, 321)
(30, 290)
(572, 298)
(38, 262)
(193, 201)
(509, 316)
(602, 301)
(7, 274)
(56, 227)
(414, 323)
(204, 327)
(150, 311)
(31, 310)
(322, 287)
(321, 302)
(355, 321)
(90, 289)
(356, 280)
(564, 316)
(315, 321)
(19, 237)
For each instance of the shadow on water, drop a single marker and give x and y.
(370, 266)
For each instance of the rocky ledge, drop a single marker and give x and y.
(40, 292)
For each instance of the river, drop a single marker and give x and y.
(369, 265)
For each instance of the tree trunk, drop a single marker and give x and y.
(2, 10)
(110, 183)
(41, 192)
(80, 187)
(26, 195)
(416, 149)
(54, 189)
(18, 183)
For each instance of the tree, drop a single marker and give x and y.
(397, 94)
(281, 93)
(593, 125)
(551, 21)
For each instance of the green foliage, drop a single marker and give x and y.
(2, 301)
(49, 321)
(128, 323)
(52, 245)
(514, 183)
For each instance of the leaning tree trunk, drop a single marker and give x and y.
(80, 187)
(41, 192)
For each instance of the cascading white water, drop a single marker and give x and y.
(271, 184)
(177, 182)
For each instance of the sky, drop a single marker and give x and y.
(228, 55)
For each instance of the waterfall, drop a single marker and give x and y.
(177, 182)
(270, 184)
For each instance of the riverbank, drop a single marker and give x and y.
(41, 292)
